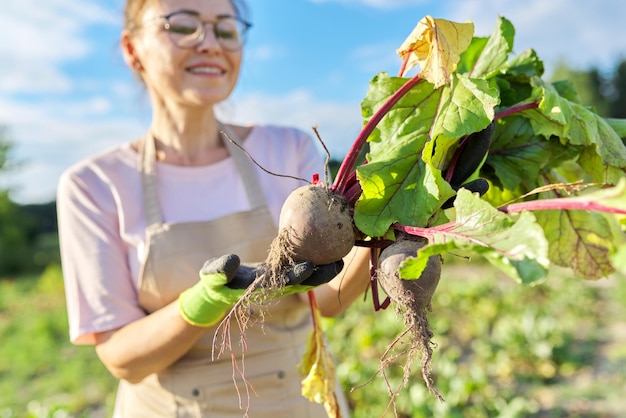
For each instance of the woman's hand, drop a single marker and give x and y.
(223, 281)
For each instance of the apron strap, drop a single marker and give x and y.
(246, 169)
(149, 184)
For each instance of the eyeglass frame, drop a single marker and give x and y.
(202, 35)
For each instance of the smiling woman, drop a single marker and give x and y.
(138, 221)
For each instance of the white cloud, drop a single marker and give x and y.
(264, 53)
(58, 139)
(50, 135)
(337, 123)
(374, 58)
(43, 35)
(22, 76)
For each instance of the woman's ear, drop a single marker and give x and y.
(129, 52)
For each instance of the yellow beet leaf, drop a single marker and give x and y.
(436, 46)
(318, 369)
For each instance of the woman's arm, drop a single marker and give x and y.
(100, 291)
(152, 343)
(147, 345)
(335, 296)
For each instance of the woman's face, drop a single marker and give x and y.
(201, 75)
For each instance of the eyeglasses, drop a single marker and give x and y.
(187, 30)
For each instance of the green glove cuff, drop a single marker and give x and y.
(294, 289)
(206, 302)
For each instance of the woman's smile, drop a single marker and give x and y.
(206, 69)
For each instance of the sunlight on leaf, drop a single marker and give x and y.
(612, 197)
(399, 184)
(465, 107)
(580, 240)
(514, 244)
(436, 46)
(496, 51)
(575, 124)
(619, 259)
(591, 162)
(518, 155)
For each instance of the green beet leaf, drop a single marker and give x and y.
(515, 244)
(399, 183)
(495, 52)
(618, 125)
(586, 238)
(518, 155)
(580, 240)
(600, 172)
(544, 139)
(575, 124)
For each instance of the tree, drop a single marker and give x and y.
(5, 147)
(13, 242)
(28, 233)
(618, 101)
(606, 93)
(593, 89)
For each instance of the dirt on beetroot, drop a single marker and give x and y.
(413, 303)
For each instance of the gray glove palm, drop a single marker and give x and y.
(223, 281)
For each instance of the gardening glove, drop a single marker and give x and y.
(479, 186)
(223, 281)
(301, 277)
(470, 157)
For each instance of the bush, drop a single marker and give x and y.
(41, 373)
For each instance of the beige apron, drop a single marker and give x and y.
(196, 386)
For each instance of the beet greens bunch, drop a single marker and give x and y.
(555, 169)
(478, 155)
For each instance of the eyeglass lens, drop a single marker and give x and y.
(188, 31)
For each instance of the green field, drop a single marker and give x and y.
(503, 350)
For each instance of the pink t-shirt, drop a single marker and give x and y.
(101, 220)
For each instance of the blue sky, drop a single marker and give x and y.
(65, 92)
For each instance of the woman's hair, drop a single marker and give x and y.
(134, 9)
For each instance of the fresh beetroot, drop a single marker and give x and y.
(413, 301)
(315, 225)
